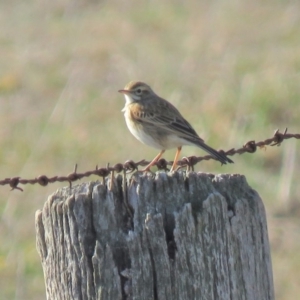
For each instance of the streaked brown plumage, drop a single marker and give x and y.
(157, 123)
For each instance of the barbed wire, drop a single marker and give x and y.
(131, 166)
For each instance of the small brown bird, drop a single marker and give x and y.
(157, 123)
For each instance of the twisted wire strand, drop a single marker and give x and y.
(131, 166)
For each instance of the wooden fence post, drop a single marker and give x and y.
(180, 236)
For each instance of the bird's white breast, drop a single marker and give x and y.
(138, 132)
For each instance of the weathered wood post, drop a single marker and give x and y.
(182, 236)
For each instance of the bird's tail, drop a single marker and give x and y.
(214, 153)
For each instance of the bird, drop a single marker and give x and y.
(157, 123)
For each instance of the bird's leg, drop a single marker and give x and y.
(176, 159)
(155, 159)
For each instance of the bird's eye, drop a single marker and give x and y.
(139, 91)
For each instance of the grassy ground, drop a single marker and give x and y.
(231, 67)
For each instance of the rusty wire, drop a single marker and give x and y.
(131, 166)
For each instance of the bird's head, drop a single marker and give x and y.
(136, 91)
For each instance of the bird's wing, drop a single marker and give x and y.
(163, 114)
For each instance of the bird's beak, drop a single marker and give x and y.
(124, 91)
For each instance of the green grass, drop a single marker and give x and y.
(232, 69)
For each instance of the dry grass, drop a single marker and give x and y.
(231, 67)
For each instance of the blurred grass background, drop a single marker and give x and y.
(231, 67)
